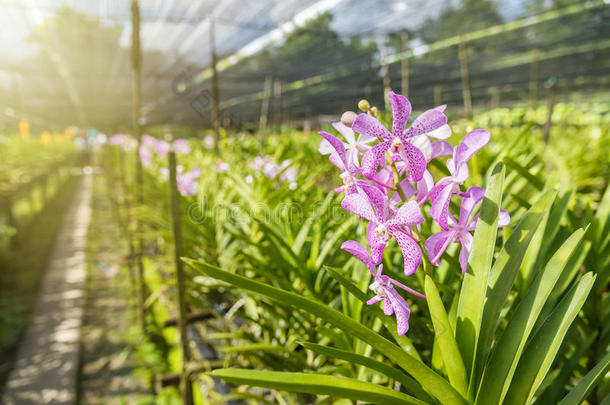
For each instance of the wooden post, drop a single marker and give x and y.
(277, 107)
(494, 102)
(385, 70)
(463, 57)
(551, 104)
(262, 122)
(215, 92)
(437, 94)
(185, 384)
(534, 77)
(404, 64)
(136, 63)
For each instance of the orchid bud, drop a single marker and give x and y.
(347, 118)
(374, 112)
(364, 105)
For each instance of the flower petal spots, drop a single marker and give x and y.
(338, 146)
(360, 252)
(411, 252)
(416, 162)
(407, 215)
(401, 109)
(427, 122)
(358, 204)
(373, 158)
(370, 126)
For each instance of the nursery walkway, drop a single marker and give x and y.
(47, 363)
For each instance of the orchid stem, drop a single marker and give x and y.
(399, 189)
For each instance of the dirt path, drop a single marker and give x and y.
(47, 361)
(109, 367)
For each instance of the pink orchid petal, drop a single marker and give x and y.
(370, 126)
(440, 149)
(471, 143)
(377, 200)
(440, 205)
(338, 146)
(325, 148)
(408, 214)
(436, 244)
(375, 245)
(411, 252)
(346, 131)
(401, 309)
(503, 219)
(360, 205)
(373, 158)
(442, 132)
(401, 109)
(474, 196)
(388, 308)
(427, 122)
(373, 300)
(424, 186)
(466, 241)
(415, 160)
(360, 252)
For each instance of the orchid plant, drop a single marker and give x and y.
(393, 205)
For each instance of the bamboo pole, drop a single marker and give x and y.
(262, 122)
(463, 57)
(551, 105)
(277, 106)
(215, 92)
(385, 70)
(534, 77)
(136, 63)
(437, 94)
(186, 389)
(404, 65)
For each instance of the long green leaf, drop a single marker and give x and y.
(472, 296)
(542, 349)
(454, 365)
(429, 380)
(503, 361)
(395, 374)
(501, 279)
(319, 384)
(580, 392)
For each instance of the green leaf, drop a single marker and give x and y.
(472, 296)
(319, 384)
(429, 380)
(543, 347)
(454, 365)
(586, 384)
(391, 372)
(501, 279)
(506, 354)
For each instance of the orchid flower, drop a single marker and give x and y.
(181, 146)
(398, 142)
(460, 231)
(209, 142)
(338, 157)
(145, 155)
(383, 287)
(186, 182)
(149, 141)
(162, 147)
(380, 230)
(440, 194)
(354, 148)
(222, 167)
(435, 149)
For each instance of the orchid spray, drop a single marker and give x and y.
(388, 184)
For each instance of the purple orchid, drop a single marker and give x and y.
(149, 141)
(338, 157)
(181, 146)
(380, 230)
(440, 194)
(383, 287)
(398, 142)
(460, 231)
(355, 148)
(145, 155)
(187, 182)
(162, 148)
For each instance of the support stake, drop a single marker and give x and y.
(463, 57)
(186, 388)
